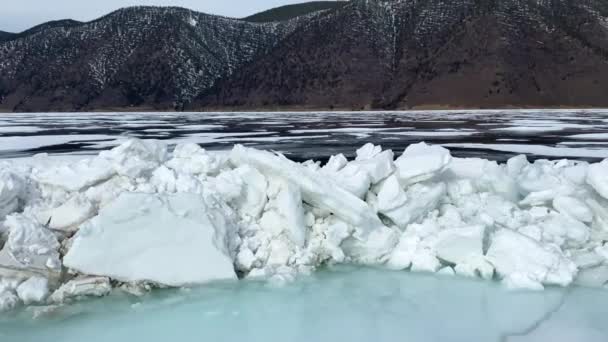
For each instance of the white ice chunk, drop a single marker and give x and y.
(33, 290)
(573, 207)
(374, 249)
(75, 176)
(563, 230)
(11, 189)
(421, 162)
(519, 281)
(377, 167)
(31, 249)
(136, 158)
(483, 175)
(354, 179)
(106, 192)
(325, 241)
(593, 277)
(403, 254)
(244, 187)
(288, 203)
(68, 216)
(368, 151)
(335, 164)
(419, 200)
(512, 254)
(317, 191)
(597, 177)
(475, 266)
(8, 301)
(516, 164)
(448, 271)
(190, 158)
(82, 287)
(391, 196)
(425, 260)
(458, 245)
(175, 240)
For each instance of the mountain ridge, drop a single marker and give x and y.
(362, 54)
(287, 12)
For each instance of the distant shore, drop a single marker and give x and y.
(297, 109)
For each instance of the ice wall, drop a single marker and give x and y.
(138, 217)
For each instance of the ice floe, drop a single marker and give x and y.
(140, 216)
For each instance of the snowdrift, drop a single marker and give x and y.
(140, 216)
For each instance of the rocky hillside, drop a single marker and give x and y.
(431, 53)
(140, 56)
(382, 54)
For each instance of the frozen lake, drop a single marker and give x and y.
(346, 304)
(498, 134)
(341, 304)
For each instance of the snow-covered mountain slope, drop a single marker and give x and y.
(362, 54)
(139, 56)
(406, 53)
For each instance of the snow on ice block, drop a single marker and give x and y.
(353, 179)
(244, 187)
(33, 290)
(517, 257)
(286, 202)
(421, 162)
(316, 190)
(371, 166)
(75, 176)
(597, 177)
(82, 287)
(335, 164)
(8, 301)
(69, 215)
(190, 158)
(593, 277)
(136, 158)
(368, 151)
(573, 207)
(407, 207)
(174, 240)
(11, 188)
(30, 250)
(458, 245)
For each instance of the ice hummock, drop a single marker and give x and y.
(139, 216)
(175, 240)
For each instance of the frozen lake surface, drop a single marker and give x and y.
(345, 304)
(498, 134)
(342, 304)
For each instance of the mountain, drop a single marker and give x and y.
(146, 57)
(291, 11)
(379, 54)
(432, 53)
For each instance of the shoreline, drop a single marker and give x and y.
(302, 109)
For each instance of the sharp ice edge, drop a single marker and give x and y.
(139, 216)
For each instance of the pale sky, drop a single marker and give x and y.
(19, 15)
